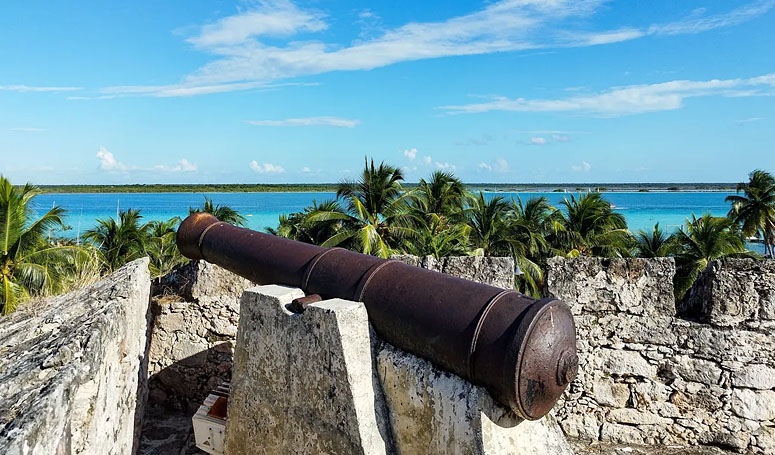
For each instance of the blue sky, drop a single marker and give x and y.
(301, 91)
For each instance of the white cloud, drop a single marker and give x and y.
(501, 165)
(410, 153)
(186, 89)
(304, 169)
(274, 39)
(560, 137)
(108, 162)
(633, 99)
(427, 160)
(276, 18)
(445, 166)
(749, 120)
(27, 129)
(367, 14)
(266, 168)
(583, 167)
(537, 140)
(182, 166)
(697, 22)
(308, 121)
(29, 88)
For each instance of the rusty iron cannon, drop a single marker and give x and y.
(522, 350)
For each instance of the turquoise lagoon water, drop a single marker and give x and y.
(642, 210)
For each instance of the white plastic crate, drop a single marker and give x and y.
(210, 424)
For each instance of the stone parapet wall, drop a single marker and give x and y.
(498, 272)
(649, 377)
(193, 334)
(735, 293)
(73, 369)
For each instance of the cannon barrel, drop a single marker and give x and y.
(522, 350)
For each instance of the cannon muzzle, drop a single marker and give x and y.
(522, 350)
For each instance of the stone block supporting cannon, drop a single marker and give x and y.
(522, 350)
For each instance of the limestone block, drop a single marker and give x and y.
(433, 411)
(609, 393)
(625, 363)
(584, 427)
(696, 370)
(754, 404)
(765, 439)
(636, 417)
(202, 281)
(303, 383)
(73, 369)
(755, 376)
(767, 300)
(621, 434)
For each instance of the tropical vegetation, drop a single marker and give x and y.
(30, 264)
(379, 214)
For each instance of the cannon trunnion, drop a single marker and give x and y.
(521, 349)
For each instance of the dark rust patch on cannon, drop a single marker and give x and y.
(521, 349)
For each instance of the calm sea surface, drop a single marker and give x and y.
(262, 210)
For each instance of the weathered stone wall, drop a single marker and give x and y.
(193, 334)
(494, 271)
(648, 377)
(735, 293)
(73, 369)
(322, 382)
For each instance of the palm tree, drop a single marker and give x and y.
(754, 210)
(438, 238)
(119, 241)
(376, 216)
(443, 195)
(704, 239)
(488, 228)
(297, 225)
(222, 212)
(161, 248)
(29, 264)
(589, 226)
(654, 244)
(527, 227)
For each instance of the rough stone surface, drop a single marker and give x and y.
(649, 377)
(193, 334)
(734, 292)
(73, 369)
(321, 382)
(494, 271)
(303, 383)
(432, 411)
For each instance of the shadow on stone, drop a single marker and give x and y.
(176, 392)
